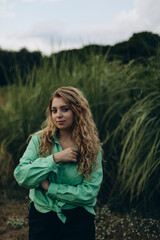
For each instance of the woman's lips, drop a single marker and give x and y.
(60, 122)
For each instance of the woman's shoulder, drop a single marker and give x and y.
(35, 137)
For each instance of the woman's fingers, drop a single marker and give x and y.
(74, 154)
(67, 155)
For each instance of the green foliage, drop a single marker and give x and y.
(140, 46)
(11, 61)
(138, 167)
(125, 102)
(6, 163)
(137, 140)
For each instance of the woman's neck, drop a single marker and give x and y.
(65, 134)
(65, 139)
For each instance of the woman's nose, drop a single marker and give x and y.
(59, 114)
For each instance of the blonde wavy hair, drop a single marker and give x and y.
(84, 131)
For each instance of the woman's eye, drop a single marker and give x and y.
(65, 109)
(54, 110)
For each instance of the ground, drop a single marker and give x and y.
(13, 220)
(109, 225)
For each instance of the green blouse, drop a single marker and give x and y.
(67, 188)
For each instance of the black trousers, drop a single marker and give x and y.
(47, 226)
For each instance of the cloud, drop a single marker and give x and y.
(7, 9)
(47, 46)
(53, 35)
(3, 1)
(144, 17)
(40, 0)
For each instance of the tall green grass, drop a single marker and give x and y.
(124, 100)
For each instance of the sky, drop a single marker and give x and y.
(53, 25)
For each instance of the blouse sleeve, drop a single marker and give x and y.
(82, 194)
(32, 170)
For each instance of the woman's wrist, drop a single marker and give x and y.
(45, 184)
(55, 159)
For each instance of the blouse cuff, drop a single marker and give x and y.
(51, 163)
(52, 190)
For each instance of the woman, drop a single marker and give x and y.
(62, 168)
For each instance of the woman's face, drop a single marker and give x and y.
(62, 115)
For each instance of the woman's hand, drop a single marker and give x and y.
(45, 184)
(67, 155)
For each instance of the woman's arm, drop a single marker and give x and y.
(32, 170)
(82, 194)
